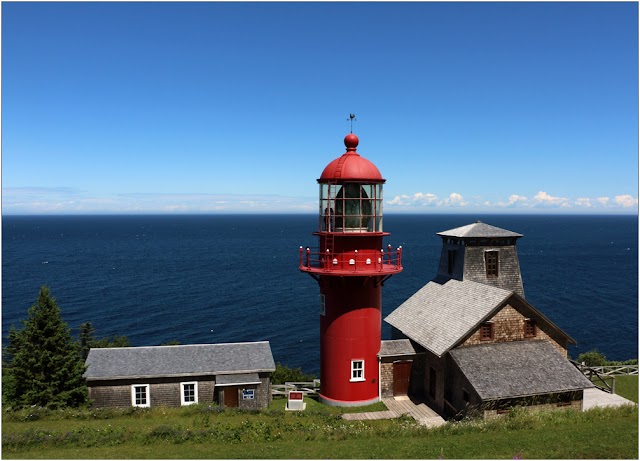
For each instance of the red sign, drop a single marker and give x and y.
(295, 395)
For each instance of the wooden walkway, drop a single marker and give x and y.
(399, 406)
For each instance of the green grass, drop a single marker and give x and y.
(208, 432)
(627, 387)
(314, 406)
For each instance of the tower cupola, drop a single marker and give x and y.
(481, 253)
(351, 193)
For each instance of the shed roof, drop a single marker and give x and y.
(517, 369)
(437, 316)
(478, 230)
(237, 379)
(393, 347)
(186, 360)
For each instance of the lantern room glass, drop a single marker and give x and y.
(351, 207)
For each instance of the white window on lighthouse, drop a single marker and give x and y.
(357, 370)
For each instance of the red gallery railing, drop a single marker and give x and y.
(356, 262)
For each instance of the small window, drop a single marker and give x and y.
(465, 396)
(357, 370)
(189, 393)
(323, 309)
(140, 395)
(491, 263)
(432, 382)
(530, 329)
(451, 257)
(486, 331)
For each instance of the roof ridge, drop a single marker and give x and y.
(163, 346)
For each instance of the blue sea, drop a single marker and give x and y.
(227, 278)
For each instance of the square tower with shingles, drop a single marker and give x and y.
(481, 253)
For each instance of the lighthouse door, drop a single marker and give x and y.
(401, 377)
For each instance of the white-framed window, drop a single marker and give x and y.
(140, 395)
(188, 393)
(248, 394)
(323, 309)
(357, 370)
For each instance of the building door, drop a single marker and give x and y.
(401, 377)
(231, 397)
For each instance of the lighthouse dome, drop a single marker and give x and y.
(351, 166)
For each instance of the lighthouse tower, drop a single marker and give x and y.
(350, 265)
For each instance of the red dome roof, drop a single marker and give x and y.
(351, 166)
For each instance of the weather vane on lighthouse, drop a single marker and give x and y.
(351, 118)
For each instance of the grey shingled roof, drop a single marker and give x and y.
(478, 230)
(187, 360)
(393, 347)
(437, 316)
(517, 369)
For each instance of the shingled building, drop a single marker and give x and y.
(469, 339)
(232, 375)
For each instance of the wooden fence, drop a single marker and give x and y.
(604, 377)
(612, 370)
(307, 388)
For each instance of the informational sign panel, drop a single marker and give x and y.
(296, 401)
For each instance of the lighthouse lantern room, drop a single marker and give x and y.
(350, 265)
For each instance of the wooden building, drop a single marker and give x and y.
(470, 341)
(232, 375)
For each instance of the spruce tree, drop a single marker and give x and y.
(44, 364)
(86, 338)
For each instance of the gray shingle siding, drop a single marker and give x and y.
(508, 278)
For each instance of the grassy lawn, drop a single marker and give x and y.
(627, 387)
(207, 432)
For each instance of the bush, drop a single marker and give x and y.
(592, 358)
(285, 374)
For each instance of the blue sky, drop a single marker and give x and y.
(237, 107)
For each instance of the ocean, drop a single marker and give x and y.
(228, 278)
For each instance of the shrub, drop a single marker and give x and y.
(285, 374)
(592, 358)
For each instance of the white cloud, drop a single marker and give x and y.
(454, 199)
(541, 201)
(584, 202)
(70, 201)
(626, 201)
(417, 199)
(515, 199)
(424, 199)
(544, 199)
(73, 201)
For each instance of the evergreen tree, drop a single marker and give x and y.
(86, 339)
(44, 364)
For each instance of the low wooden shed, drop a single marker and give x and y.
(231, 374)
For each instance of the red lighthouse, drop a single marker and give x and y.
(350, 266)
